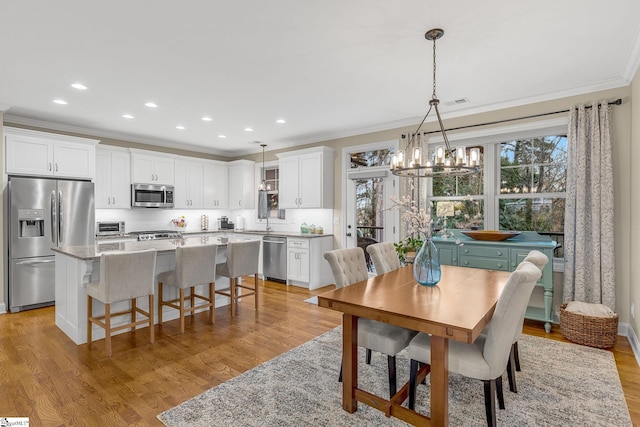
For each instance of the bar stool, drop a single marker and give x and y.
(242, 260)
(123, 276)
(194, 266)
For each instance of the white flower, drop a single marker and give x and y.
(417, 220)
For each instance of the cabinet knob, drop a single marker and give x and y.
(499, 265)
(466, 262)
(499, 253)
(466, 251)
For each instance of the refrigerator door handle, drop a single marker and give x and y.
(60, 212)
(54, 218)
(35, 262)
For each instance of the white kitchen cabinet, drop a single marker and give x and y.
(215, 185)
(152, 169)
(306, 266)
(189, 181)
(45, 154)
(113, 178)
(242, 186)
(306, 178)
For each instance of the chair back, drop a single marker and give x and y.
(127, 275)
(384, 256)
(506, 317)
(243, 258)
(348, 266)
(195, 265)
(537, 258)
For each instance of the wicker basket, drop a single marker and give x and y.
(600, 332)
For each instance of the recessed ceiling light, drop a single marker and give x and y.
(79, 86)
(180, 127)
(248, 129)
(127, 116)
(151, 105)
(221, 136)
(281, 121)
(60, 101)
(207, 118)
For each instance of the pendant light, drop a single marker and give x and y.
(263, 184)
(412, 160)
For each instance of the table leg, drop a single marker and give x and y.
(439, 381)
(349, 362)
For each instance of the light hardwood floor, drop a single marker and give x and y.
(46, 377)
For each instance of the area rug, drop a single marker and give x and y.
(560, 385)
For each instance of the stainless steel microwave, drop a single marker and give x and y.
(151, 196)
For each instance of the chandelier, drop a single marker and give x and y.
(414, 160)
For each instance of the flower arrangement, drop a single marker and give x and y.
(179, 222)
(418, 225)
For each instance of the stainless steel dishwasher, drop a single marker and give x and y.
(274, 258)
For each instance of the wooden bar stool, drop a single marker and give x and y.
(123, 276)
(194, 266)
(242, 260)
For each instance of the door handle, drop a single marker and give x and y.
(114, 200)
(54, 219)
(50, 261)
(348, 234)
(56, 167)
(60, 212)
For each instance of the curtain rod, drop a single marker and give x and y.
(616, 102)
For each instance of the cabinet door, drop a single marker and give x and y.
(164, 170)
(102, 187)
(28, 155)
(289, 178)
(73, 160)
(294, 267)
(143, 169)
(235, 187)
(181, 183)
(120, 180)
(303, 258)
(310, 180)
(221, 186)
(195, 172)
(208, 178)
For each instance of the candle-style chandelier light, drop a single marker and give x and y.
(413, 158)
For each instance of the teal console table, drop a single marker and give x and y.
(504, 256)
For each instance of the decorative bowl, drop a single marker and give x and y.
(490, 235)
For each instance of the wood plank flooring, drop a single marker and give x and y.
(46, 377)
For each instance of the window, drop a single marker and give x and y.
(268, 200)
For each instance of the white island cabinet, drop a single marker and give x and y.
(306, 266)
(35, 153)
(306, 178)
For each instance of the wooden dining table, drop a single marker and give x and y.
(458, 308)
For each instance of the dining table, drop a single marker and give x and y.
(457, 308)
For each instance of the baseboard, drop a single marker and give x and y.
(626, 330)
(3, 308)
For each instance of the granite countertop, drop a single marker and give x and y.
(261, 233)
(93, 252)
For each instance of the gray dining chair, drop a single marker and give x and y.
(124, 276)
(384, 256)
(349, 266)
(194, 266)
(242, 260)
(486, 358)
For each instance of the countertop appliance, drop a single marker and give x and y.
(152, 196)
(110, 228)
(225, 224)
(160, 234)
(43, 214)
(274, 258)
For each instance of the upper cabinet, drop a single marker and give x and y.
(152, 168)
(45, 154)
(189, 180)
(242, 186)
(306, 178)
(215, 185)
(113, 178)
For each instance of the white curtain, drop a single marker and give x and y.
(589, 218)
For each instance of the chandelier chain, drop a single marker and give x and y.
(433, 96)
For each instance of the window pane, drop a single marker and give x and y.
(460, 214)
(371, 158)
(515, 180)
(472, 184)
(551, 179)
(532, 214)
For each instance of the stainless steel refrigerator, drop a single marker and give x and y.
(43, 214)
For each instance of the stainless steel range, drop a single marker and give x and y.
(161, 234)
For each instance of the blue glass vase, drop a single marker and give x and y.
(426, 265)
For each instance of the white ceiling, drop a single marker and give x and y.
(331, 68)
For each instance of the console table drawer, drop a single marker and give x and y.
(484, 251)
(485, 263)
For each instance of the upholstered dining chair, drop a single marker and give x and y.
(486, 358)
(194, 266)
(123, 276)
(350, 266)
(540, 260)
(242, 260)
(384, 256)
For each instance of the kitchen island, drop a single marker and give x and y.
(76, 266)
